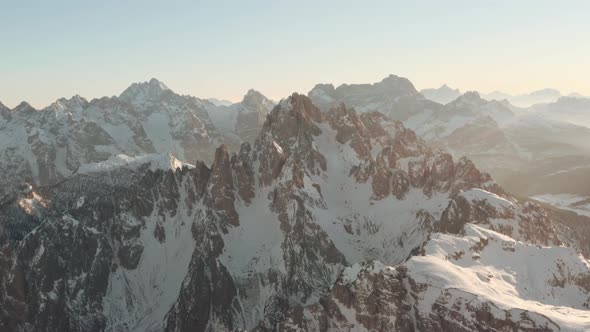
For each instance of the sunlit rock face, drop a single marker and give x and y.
(529, 151)
(329, 220)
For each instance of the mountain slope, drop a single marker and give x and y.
(269, 232)
(480, 281)
(46, 146)
(526, 99)
(575, 110)
(394, 96)
(442, 95)
(522, 149)
(244, 119)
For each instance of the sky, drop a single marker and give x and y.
(53, 49)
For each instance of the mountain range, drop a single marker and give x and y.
(46, 146)
(529, 151)
(446, 94)
(354, 208)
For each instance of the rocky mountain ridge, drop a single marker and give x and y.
(443, 95)
(46, 146)
(244, 119)
(527, 152)
(284, 235)
(446, 94)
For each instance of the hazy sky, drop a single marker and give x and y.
(50, 49)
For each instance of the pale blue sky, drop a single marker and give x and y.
(50, 49)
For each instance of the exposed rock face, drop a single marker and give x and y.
(543, 96)
(396, 159)
(244, 173)
(46, 146)
(252, 115)
(96, 258)
(371, 298)
(275, 238)
(442, 95)
(243, 119)
(221, 187)
(527, 222)
(451, 288)
(528, 152)
(391, 92)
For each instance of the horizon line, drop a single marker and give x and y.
(275, 99)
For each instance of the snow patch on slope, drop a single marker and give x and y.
(575, 203)
(508, 273)
(155, 161)
(255, 245)
(477, 195)
(138, 299)
(362, 228)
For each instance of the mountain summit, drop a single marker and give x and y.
(44, 147)
(330, 220)
(253, 97)
(145, 91)
(443, 95)
(526, 99)
(383, 96)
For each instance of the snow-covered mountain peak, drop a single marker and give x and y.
(256, 100)
(75, 102)
(326, 87)
(243, 119)
(322, 93)
(398, 84)
(158, 83)
(299, 105)
(447, 89)
(472, 100)
(219, 102)
(145, 91)
(474, 109)
(264, 237)
(526, 99)
(443, 95)
(574, 110)
(382, 96)
(24, 107)
(47, 146)
(392, 86)
(252, 94)
(277, 236)
(162, 161)
(470, 97)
